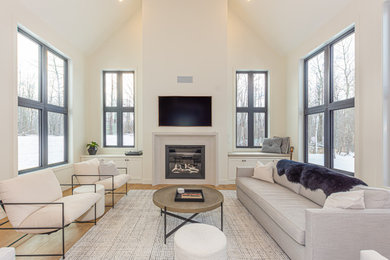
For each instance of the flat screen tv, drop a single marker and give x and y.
(184, 111)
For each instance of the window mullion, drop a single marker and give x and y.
(250, 110)
(327, 115)
(120, 105)
(44, 134)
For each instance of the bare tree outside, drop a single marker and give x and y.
(55, 96)
(124, 82)
(316, 80)
(128, 101)
(29, 119)
(242, 90)
(28, 87)
(315, 123)
(254, 83)
(111, 99)
(343, 88)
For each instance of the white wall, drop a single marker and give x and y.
(12, 14)
(209, 43)
(248, 51)
(185, 38)
(367, 17)
(121, 51)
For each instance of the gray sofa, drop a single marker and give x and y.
(294, 217)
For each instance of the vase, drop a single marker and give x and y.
(92, 151)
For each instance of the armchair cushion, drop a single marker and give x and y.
(41, 186)
(7, 253)
(119, 180)
(51, 215)
(90, 167)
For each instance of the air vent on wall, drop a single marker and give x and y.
(184, 79)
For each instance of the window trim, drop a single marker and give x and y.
(250, 109)
(119, 109)
(329, 106)
(44, 108)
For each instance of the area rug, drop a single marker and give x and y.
(134, 230)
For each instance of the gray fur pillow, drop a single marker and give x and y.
(285, 147)
(272, 145)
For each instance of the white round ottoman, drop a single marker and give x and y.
(100, 205)
(200, 241)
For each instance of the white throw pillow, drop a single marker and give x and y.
(345, 200)
(107, 168)
(264, 172)
(90, 167)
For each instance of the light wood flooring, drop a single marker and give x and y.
(47, 244)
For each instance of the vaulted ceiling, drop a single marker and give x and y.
(84, 23)
(286, 23)
(283, 23)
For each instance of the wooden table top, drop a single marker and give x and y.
(165, 197)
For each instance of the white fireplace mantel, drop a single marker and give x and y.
(208, 139)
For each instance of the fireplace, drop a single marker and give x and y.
(185, 162)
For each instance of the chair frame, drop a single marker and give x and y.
(62, 227)
(109, 191)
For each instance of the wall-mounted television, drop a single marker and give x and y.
(184, 111)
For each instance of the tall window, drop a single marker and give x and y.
(118, 116)
(329, 105)
(251, 108)
(42, 105)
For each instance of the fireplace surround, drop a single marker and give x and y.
(184, 161)
(208, 139)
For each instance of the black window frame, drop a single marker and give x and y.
(329, 106)
(44, 107)
(251, 110)
(119, 109)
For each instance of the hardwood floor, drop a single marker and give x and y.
(46, 244)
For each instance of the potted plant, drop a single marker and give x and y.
(92, 147)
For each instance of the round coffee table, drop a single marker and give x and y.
(165, 199)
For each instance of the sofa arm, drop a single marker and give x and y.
(342, 233)
(244, 172)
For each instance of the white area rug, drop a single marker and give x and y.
(134, 230)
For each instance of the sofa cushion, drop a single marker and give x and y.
(284, 206)
(282, 180)
(90, 167)
(40, 186)
(119, 180)
(318, 196)
(375, 198)
(51, 216)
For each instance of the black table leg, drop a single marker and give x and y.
(165, 225)
(185, 221)
(221, 216)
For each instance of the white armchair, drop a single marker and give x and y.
(87, 172)
(34, 205)
(371, 255)
(7, 253)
